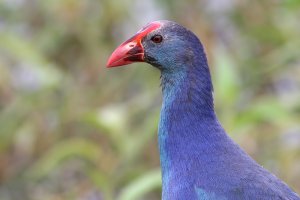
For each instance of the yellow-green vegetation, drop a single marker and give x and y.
(72, 129)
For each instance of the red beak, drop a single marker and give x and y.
(126, 53)
(131, 50)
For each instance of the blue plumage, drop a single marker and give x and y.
(198, 159)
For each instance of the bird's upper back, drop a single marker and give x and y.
(199, 161)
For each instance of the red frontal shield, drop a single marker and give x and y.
(131, 50)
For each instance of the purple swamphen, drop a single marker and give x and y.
(199, 160)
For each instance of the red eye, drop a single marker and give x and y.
(157, 38)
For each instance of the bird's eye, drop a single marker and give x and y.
(157, 38)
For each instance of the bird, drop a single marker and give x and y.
(198, 160)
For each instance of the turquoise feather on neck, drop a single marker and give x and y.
(171, 88)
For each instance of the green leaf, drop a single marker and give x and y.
(141, 186)
(226, 81)
(61, 152)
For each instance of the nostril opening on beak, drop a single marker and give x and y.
(131, 45)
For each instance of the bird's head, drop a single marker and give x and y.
(179, 55)
(163, 44)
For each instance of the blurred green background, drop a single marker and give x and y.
(72, 129)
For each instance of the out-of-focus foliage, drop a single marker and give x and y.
(71, 129)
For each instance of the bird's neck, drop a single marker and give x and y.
(187, 115)
(186, 88)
